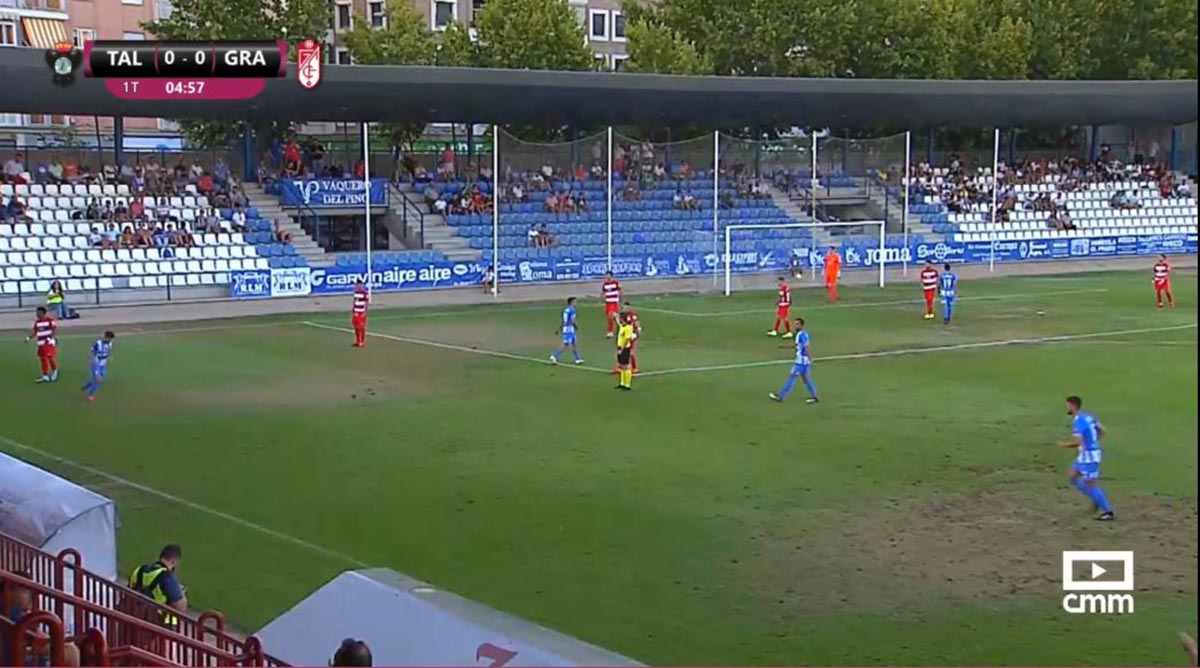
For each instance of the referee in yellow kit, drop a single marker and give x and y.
(625, 338)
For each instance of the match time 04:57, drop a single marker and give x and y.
(172, 87)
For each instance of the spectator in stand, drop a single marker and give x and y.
(159, 582)
(534, 236)
(238, 219)
(1183, 190)
(41, 173)
(291, 158)
(95, 239)
(631, 193)
(517, 193)
(547, 239)
(127, 238)
(352, 653)
(56, 171)
(485, 173)
(93, 210)
(597, 172)
(112, 238)
(446, 169)
(205, 184)
(432, 195)
(282, 236)
(14, 169)
(143, 235)
(316, 155)
(162, 236)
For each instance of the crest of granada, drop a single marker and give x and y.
(308, 63)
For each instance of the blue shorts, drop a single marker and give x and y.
(1087, 471)
(568, 338)
(98, 371)
(800, 369)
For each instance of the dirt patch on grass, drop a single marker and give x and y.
(294, 393)
(970, 548)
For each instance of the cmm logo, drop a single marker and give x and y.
(1086, 573)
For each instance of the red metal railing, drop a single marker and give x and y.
(84, 601)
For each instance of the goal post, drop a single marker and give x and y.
(873, 236)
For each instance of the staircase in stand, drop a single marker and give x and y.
(269, 209)
(409, 205)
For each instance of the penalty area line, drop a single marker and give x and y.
(895, 302)
(462, 349)
(929, 349)
(187, 503)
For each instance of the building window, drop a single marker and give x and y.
(133, 36)
(8, 33)
(343, 56)
(343, 17)
(476, 8)
(618, 27)
(132, 2)
(168, 125)
(163, 9)
(9, 120)
(618, 62)
(443, 13)
(598, 25)
(82, 35)
(378, 11)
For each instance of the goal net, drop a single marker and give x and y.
(754, 254)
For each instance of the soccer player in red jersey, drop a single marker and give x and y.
(929, 285)
(358, 316)
(44, 330)
(1162, 281)
(782, 307)
(610, 289)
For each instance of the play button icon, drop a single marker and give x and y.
(1098, 570)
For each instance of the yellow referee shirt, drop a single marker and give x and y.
(625, 336)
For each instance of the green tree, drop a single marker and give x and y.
(405, 41)
(209, 20)
(531, 35)
(654, 48)
(457, 49)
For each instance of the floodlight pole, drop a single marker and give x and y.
(366, 145)
(905, 184)
(609, 171)
(716, 201)
(995, 190)
(495, 211)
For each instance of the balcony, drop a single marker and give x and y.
(58, 6)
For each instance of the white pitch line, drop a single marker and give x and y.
(461, 349)
(897, 302)
(167, 496)
(921, 351)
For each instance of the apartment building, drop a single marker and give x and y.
(40, 24)
(603, 22)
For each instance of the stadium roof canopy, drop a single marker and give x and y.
(395, 93)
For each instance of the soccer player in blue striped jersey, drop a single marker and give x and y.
(568, 329)
(101, 351)
(801, 368)
(1085, 472)
(948, 286)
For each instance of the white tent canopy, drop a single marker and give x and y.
(53, 513)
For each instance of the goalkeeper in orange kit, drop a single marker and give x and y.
(833, 271)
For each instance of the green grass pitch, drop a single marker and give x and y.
(915, 516)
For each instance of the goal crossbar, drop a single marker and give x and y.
(784, 226)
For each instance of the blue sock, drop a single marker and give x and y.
(554, 355)
(949, 311)
(1080, 485)
(787, 386)
(93, 388)
(575, 351)
(1099, 498)
(812, 389)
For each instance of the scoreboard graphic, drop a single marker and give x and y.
(184, 70)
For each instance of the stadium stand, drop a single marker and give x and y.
(52, 231)
(1048, 200)
(58, 603)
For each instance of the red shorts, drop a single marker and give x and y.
(782, 311)
(358, 320)
(930, 294)
(47, 351)
(1162, 285)
(610, 308)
